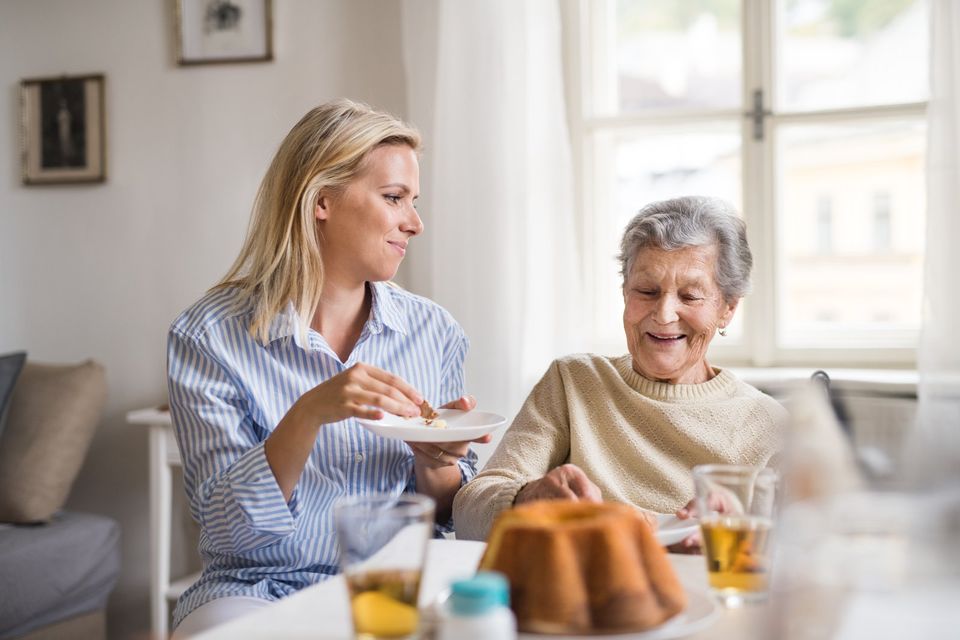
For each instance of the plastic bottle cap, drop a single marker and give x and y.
(477, 595)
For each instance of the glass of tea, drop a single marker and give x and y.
(383, 541)
(736, 506)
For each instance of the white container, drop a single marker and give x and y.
(478, 609)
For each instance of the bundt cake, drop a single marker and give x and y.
(578, 567)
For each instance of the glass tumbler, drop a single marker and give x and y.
(737, 506)
(383, 541)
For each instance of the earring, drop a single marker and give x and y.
(722, 331)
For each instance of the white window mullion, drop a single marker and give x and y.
(758, 199)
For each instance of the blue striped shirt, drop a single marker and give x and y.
(228, 392)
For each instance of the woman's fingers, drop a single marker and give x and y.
(433, 455)
(394, 381)
(689, 545)
(367, 413)
(374, 386)
(458, 449)
(564, 482)
(578, 482)
(688, 511)
(463, 403)
(358, 397)
(362, 391)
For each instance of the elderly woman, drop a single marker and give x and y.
(630, 428)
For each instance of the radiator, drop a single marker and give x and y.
(879, 422)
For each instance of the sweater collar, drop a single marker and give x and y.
(722, 385)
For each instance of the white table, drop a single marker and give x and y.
(164, 455)
(322, 612)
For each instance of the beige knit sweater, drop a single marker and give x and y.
(636, 439)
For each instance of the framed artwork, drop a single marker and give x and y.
(63, 129)
(216, 31)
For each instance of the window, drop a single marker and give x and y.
(808, 116)
(824, 225)
(881, 221)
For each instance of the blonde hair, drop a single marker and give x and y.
(280, 261)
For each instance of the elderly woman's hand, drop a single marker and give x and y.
(693, 542)
(566, 482)
(720, 502)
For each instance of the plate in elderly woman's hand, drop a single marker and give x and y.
(451, 425)
(671, 529)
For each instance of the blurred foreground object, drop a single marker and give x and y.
(862, 551)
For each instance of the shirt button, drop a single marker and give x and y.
(358, 457)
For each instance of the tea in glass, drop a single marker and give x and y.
(736, 506)
(383, 540)
(737, 553)
(384, 603)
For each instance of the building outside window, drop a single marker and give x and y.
(769, 104)
(881, 221)
(824, 225)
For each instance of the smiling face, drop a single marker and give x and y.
(672, 309)
(364, 228)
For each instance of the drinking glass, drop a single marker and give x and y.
(737, 506)
(383, 541)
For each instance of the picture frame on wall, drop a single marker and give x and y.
(63, 129)
(223, 31)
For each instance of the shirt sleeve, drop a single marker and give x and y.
(452, 387)
(232, 491)
(536, 442)
(454, 354)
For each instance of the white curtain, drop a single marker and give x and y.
(485, 86)
(937, 447)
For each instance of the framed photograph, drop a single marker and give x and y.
(63, 129)
(216, 31)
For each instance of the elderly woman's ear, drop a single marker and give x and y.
(728, 315)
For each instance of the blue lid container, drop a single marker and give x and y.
(477, 595)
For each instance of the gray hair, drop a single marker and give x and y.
(689, 222)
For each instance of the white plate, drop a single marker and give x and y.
(461, 425)
(672, 529)
(700, 613)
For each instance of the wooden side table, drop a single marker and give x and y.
(164, 455)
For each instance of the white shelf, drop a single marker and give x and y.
(894, 382)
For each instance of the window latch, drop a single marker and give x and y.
(757, 114)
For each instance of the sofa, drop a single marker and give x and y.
(57, 567)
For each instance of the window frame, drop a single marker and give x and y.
(583, 20)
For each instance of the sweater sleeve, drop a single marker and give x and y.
(536, 442)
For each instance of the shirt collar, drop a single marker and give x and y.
(285, 324)
(384, 312)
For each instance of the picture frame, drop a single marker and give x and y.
(63, 129)
(224, 31)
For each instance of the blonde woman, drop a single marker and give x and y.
(269, 371)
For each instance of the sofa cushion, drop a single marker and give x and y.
(10, 366)
(54, 571)
(53, 413)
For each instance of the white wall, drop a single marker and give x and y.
(100, 271)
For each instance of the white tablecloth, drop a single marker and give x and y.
(322, 612)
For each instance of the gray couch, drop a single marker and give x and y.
(55, 572)
(57, 568)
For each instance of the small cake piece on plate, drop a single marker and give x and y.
(430, 416)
